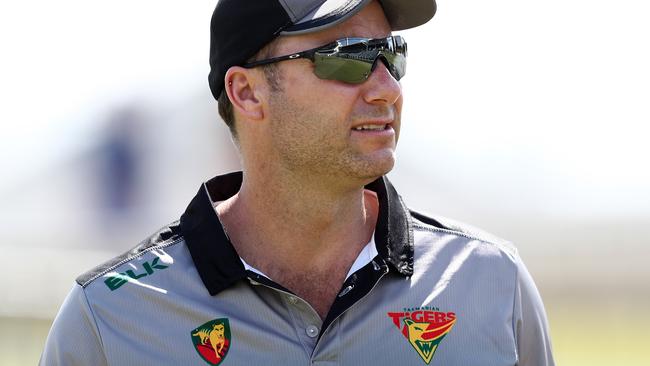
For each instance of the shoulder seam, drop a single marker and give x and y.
(450, 231)
(129, 258)
(504, 244)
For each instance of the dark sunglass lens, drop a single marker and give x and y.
(354, 59)
(343, 69)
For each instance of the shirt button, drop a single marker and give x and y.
(312, 331)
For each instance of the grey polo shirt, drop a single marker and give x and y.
(435, 293)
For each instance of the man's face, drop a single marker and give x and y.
(314, 122)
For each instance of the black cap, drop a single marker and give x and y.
(240, 28)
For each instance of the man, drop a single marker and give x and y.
(309, 256)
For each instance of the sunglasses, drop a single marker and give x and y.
(351, 60)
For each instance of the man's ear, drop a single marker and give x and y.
(243, 87)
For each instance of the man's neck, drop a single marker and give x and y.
(298, 223)
(300, 231)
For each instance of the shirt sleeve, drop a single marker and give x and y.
(531, 325)
(74, 338)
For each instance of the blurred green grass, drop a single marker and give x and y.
(22, 340)
(606, 332)
(590, 333)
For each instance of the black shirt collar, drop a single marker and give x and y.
(218, 263)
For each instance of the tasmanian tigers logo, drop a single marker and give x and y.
(212, 340)
(424, 329)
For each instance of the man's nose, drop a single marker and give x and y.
(381, 87)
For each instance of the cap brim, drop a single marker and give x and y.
(401, 14)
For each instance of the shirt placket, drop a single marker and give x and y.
(306, 321)
(308, 326)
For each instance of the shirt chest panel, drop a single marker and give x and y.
(166, 329)
(368, 334)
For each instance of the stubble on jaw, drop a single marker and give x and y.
(307, 142)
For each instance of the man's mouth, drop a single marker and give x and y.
(371, 127)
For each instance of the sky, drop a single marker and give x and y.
(71, 61)
(553, 95)
(555, 92)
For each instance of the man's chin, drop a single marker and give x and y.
(376, 169)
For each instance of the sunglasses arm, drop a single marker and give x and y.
(309, 54)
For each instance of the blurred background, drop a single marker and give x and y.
(525, 118)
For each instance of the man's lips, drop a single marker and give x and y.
(373, 131)
(372, 126)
